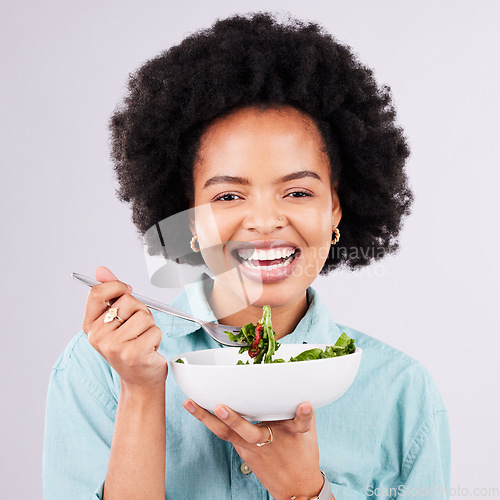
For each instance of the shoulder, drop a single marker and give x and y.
(395, 373)
(81, 366)
(396, 398)
(80, 353)
(381, 349)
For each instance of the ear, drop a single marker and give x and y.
(336, 208)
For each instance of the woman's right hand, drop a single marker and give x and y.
(129, 347)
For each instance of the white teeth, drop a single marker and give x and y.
(245, 253)
(271, 254)
(249, 264)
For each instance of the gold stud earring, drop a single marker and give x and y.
(337, 235)
(193, 242)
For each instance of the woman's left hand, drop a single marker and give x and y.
(287, 466)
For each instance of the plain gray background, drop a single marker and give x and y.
(64, 67)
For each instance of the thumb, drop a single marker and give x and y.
(103, 274)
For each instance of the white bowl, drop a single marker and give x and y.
(266, 391)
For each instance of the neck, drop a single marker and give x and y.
(232, 310)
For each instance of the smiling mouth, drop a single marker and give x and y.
(266, 260)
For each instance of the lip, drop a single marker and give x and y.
(264, 276)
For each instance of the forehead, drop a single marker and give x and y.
(282, 117)
(253, 134)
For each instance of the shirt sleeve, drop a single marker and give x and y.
(342, 492)
(426, 468)
(79, 424)
(415, 457)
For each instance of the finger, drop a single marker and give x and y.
(146, 343)
(135, 318)
(250, 433)
(136, 327)
(97, 300)
(213, 423)
(127, 306)
(303, 420)
(104, 275)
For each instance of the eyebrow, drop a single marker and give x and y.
(219, 179)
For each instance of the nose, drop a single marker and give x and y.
(264, 216)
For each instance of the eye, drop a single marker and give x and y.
(226, 197)
(300, 194)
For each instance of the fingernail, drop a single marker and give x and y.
(221, 412)
(129, 287)
(306, 410)
(189, 407)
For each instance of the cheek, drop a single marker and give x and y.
(210, 228)
(326, 244)
(319, 231)
(214, 229)
(319, 238)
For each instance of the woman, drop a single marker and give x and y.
(273, 144)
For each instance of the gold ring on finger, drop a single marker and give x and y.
(112, 314)
(271, 437)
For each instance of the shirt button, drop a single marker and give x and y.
(245, 469)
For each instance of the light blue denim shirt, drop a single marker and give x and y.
(388, 436)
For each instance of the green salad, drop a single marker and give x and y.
(263, 344)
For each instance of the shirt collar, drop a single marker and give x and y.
(192, 300)
(316, 326)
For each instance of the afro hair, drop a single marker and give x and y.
(256, 60)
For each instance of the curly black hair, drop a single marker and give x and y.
(249, 60)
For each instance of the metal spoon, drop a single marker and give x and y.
(215, 330)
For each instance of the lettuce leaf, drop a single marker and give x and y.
(264, 349)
